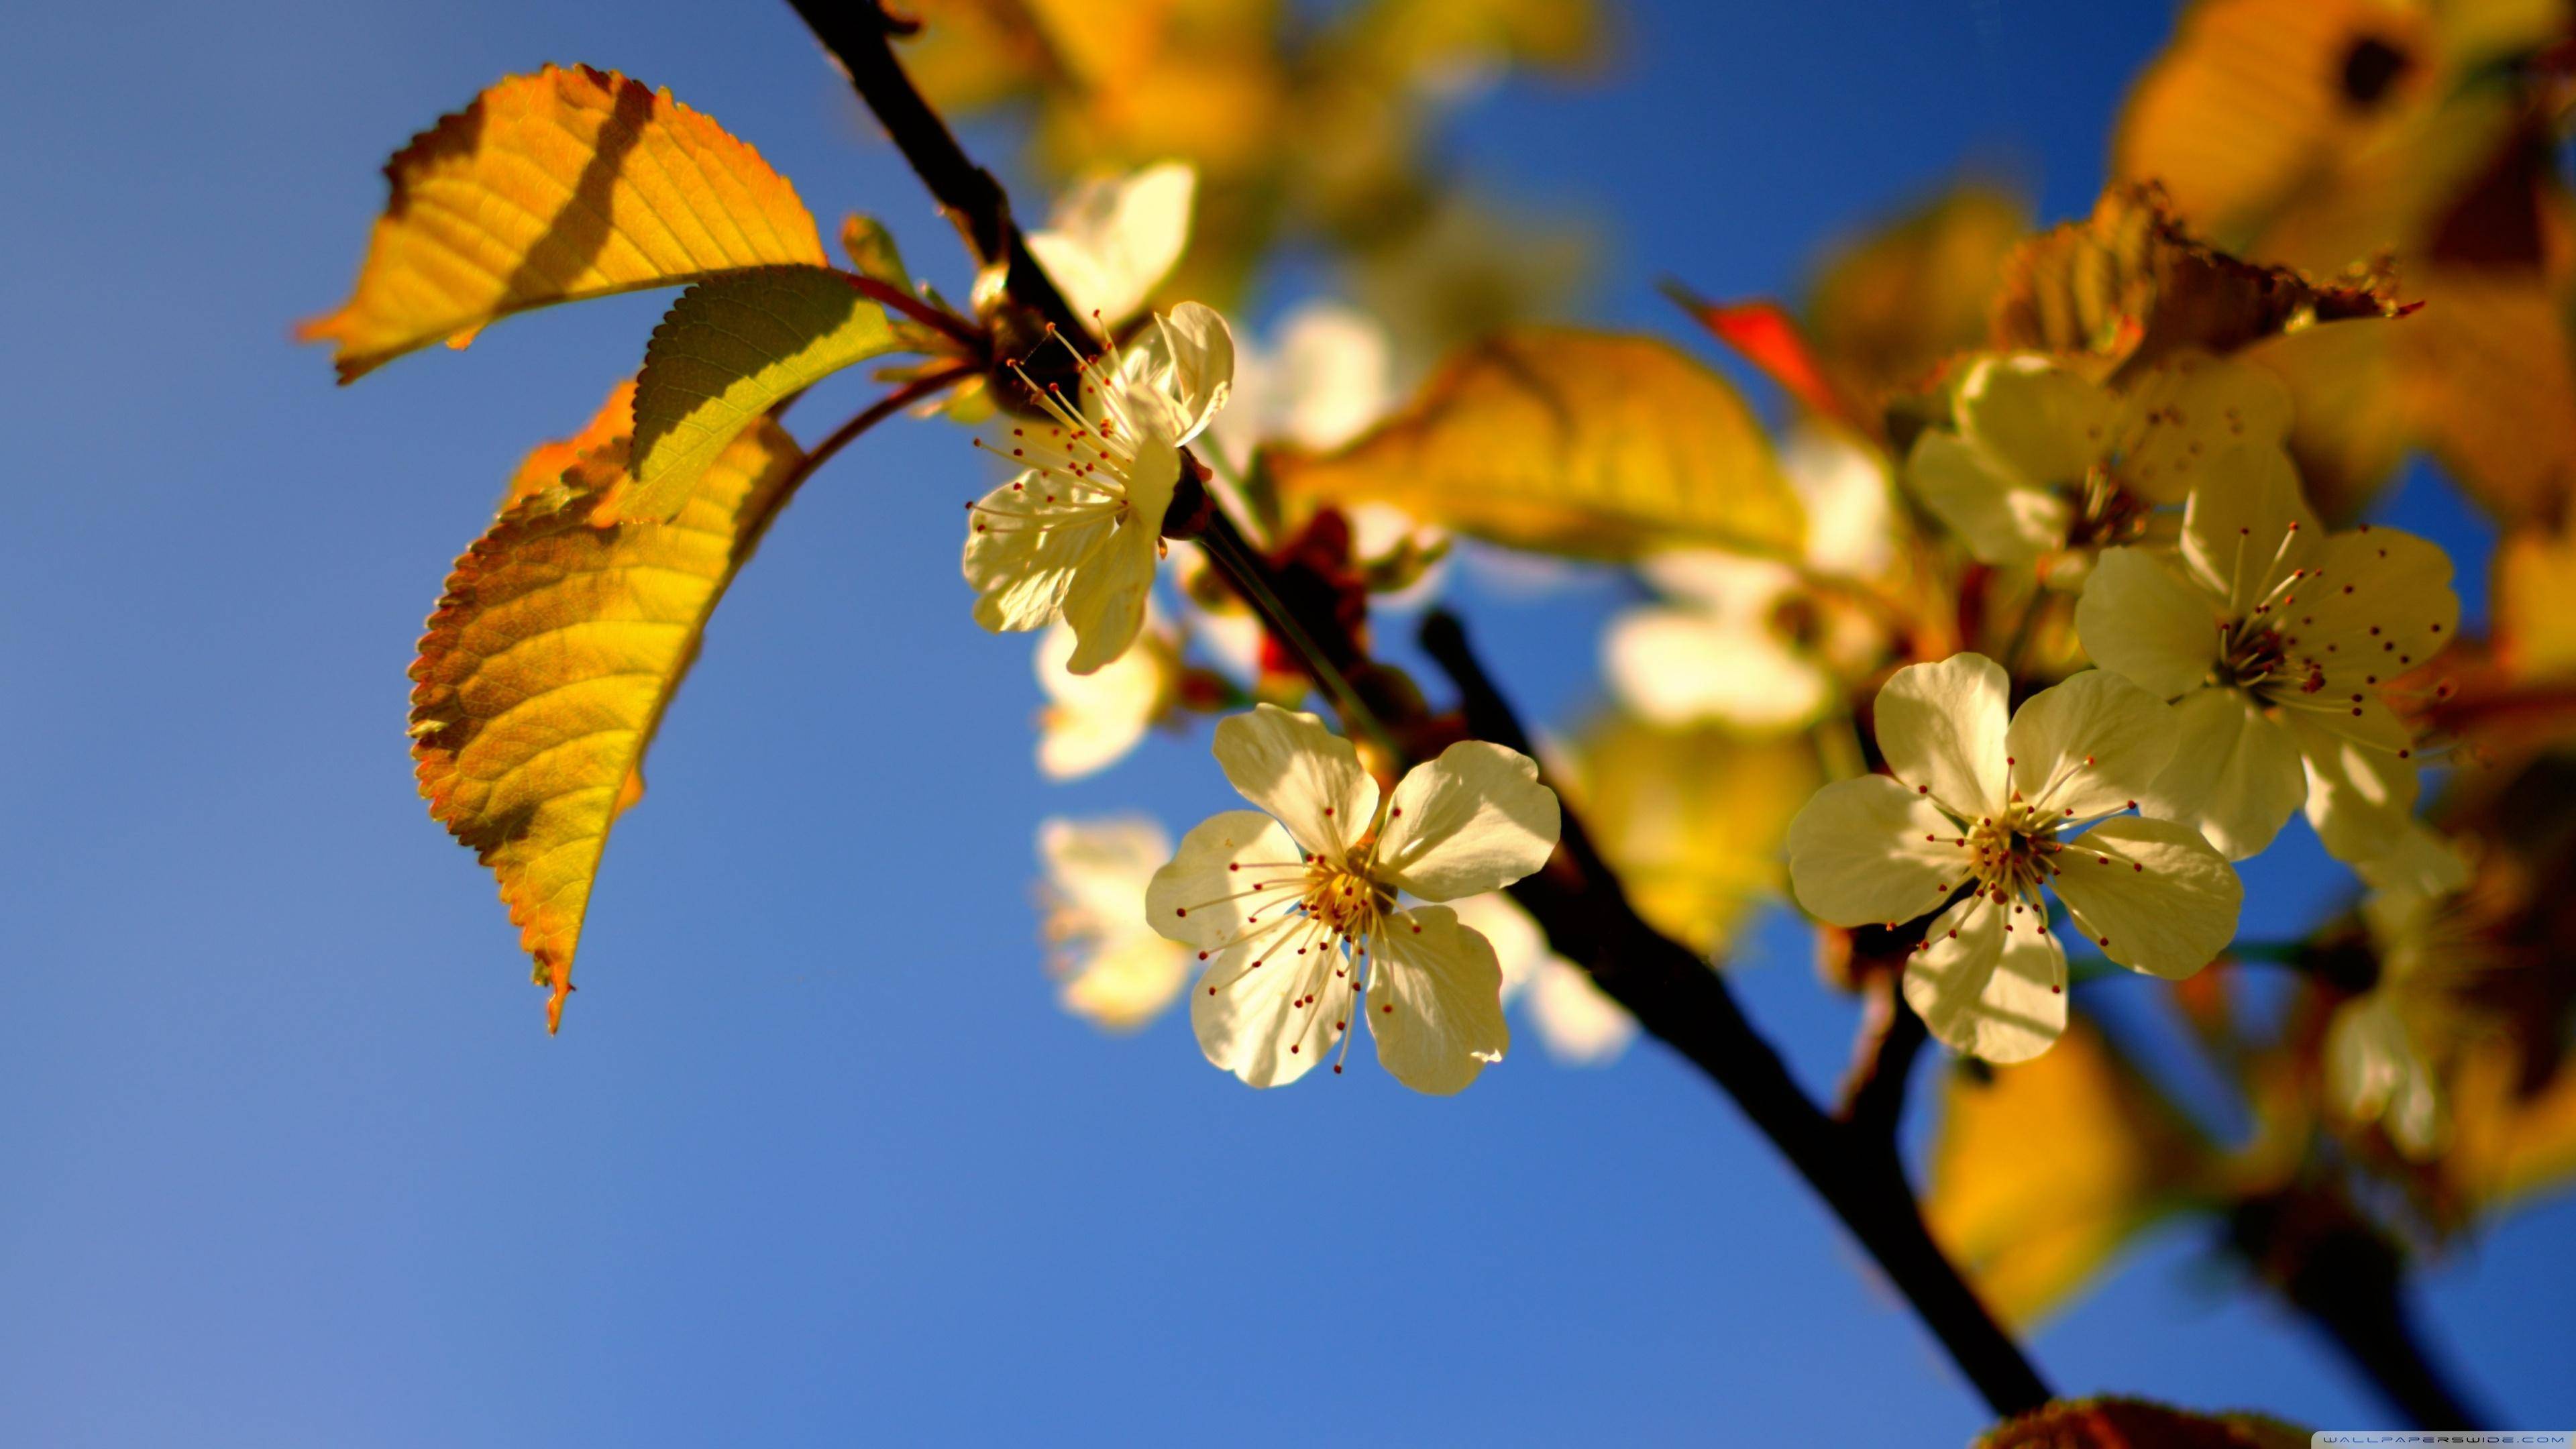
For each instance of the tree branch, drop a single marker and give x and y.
(1892, 1036)
(2349, 1281)
(1576, 898)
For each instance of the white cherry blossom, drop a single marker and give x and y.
(1296, 913)
(2002, 809)
(2275, 642)
(2048, 464)
(1116, 970)
(1078, 534)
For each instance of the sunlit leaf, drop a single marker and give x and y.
(554, 187)
(1764, 334)
(2137, 1424)
(729, 350)
(1570, 442)
(1693, 819)
(552, 655)
(1887, 309)
(2040, 1175)
(2491, 381)
(2130, 285)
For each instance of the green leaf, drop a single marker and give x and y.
(730, 350)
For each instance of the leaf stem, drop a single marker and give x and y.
(886, 294)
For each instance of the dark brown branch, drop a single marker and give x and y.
(1676, 995)
(1891, 1038)
(2349, 1281)
(859, 35)
(1577, 899)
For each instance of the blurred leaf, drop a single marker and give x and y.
(2507, 1146)
(1441, 38)
(2042, 1174)
(2347, 433)
(2129, 285)
(730, 350)
(550, 188)
(552, 655)
(1569, 442)
(2136, 1424)
(2490, 366)
(2535, 577)
(1764, 334)
(1887, 309)
(1692, 818)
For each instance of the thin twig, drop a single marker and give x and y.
(1891, 1038)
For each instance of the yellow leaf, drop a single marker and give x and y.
(1888, 309)
(552, 655)
(2041, 1174)
(728, 351)
(1570, 442)
(2491, 368)
(550, 188)
(1692, 818)
(2109, 1423)
(2535, 576)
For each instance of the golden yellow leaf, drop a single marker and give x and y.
(2041, 1174)
(550, 188)
(729, 350)
(1692, 818)
(1570, 442)
(552, 655)
(1888, 308)
(2109, 1423)
(2490, 370)
(2535, 576)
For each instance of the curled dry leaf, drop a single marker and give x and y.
(553, 653)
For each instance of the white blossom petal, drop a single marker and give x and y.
(1942, 726)
(1435, 1001)
(2191, 409)
(2152, 894)
(2089, 745)
(2138, 620)
(1112, 240)
(2375, 1075)
(1234, 872)
(2236, 776)
(1022, 558)
(1105, 603)
(1126, 983)
(2361, 798)
(1871, 852)
(2247, 527)
(2382, 604)
(1988, 983)
(1302, 773)
(1200, 352)
(1270, 1008)
(1677, 666)
(2003, 520)
(1474, 820)
(2044, 424)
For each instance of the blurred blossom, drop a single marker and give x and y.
(2048, 465)
(1577, 1022)
(1112, 240)
(1691, 818)
(1746, 641)
(1324, 377)
(1091, 721)
(1115, 970)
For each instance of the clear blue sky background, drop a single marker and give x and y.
(288, 1157)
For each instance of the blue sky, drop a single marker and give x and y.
(289, 1159)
